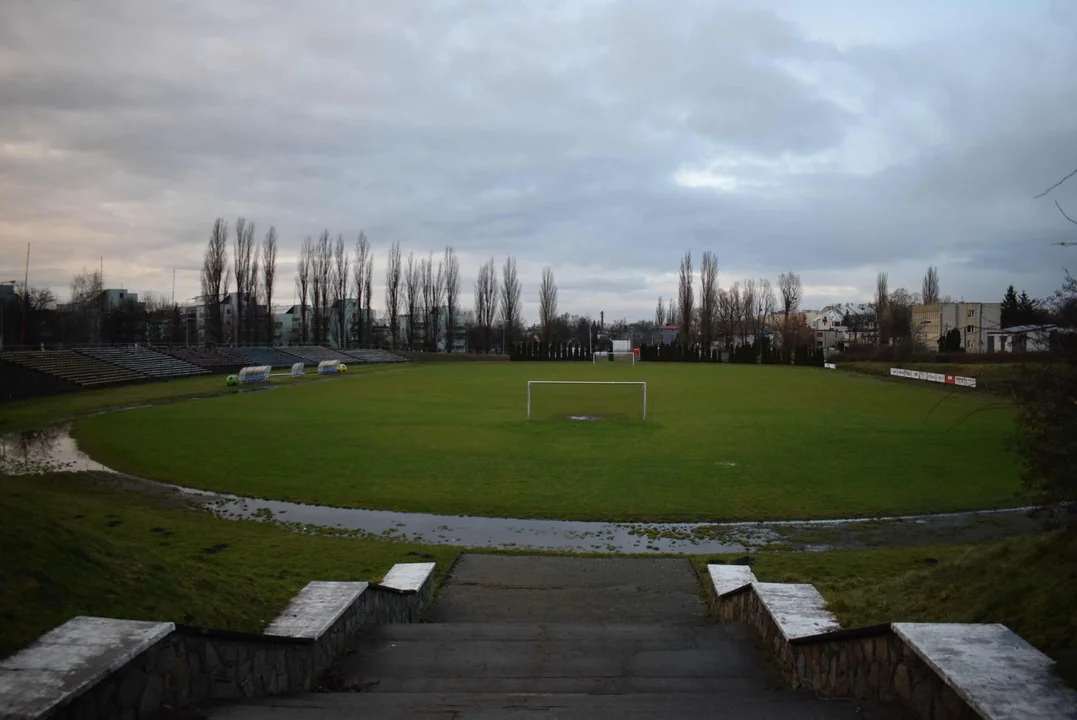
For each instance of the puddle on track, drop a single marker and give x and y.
(34, 452)
(54, 450)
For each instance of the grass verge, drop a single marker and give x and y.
(996, 378)
(1027, 583)
(80, 545)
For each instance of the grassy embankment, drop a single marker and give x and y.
(1027, 583)
(72, 545)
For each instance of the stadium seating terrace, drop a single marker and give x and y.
(262, 355)
(314, 353)
(373, 356)
(209, 358)
(74, 367)
(143, 360)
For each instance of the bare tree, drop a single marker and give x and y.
(882, 297)
(452, 296)
(86, 287)
(426, 305)
(215, 279)
(660, 313)
(899, 315)
(362, 256)
(433, 286)
(241, 262)
(269, 274)
(341, 281)
(686, 299)
(791, 290)
(321, 283)
(929, 290)
(368, 297)
(392, 293)
(510, 300)
(736, 304)
(486, 291)
(749, 325)
(86, 306)
(317, 288)
(412, 290)
(255, 295)
(325, 270)
(671, 312)
(766, 307)
(708, 297)
(729, 313)
(547, 304)
(302, 284)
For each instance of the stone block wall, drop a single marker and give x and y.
(382, 605)
(868, 664)
(192, 666)
(197, 666)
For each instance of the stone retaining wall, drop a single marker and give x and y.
(939, 671)
(869, 664)
(197, 666)
(386, 605)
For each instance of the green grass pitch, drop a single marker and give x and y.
(725, 442)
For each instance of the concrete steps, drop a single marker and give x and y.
(557, 637)
(562, 658)
(525, 706)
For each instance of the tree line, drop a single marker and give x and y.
(254, 268)
(422, 309)
(335, 288)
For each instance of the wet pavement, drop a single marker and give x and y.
(54, 450)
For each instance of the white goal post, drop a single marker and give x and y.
(604, 355)
(641, 385)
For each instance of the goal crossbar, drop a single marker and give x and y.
(638, 383)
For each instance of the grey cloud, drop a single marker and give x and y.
(550, 132)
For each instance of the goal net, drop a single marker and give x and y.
(583, 400)
(616, 356)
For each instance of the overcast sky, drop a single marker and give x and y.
(605, 139)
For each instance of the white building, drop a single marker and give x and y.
(843, 322)
(1022, 338)
(114, 297)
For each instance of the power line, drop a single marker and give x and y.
(1037, 197)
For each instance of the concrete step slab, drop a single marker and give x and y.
(524, 706)
(660, 635)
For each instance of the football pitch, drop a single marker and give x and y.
(721, 442)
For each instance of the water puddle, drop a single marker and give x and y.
(54, 450)
(34, 452)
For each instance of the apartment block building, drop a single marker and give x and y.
(974, 320)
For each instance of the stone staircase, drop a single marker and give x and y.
(558, 637)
